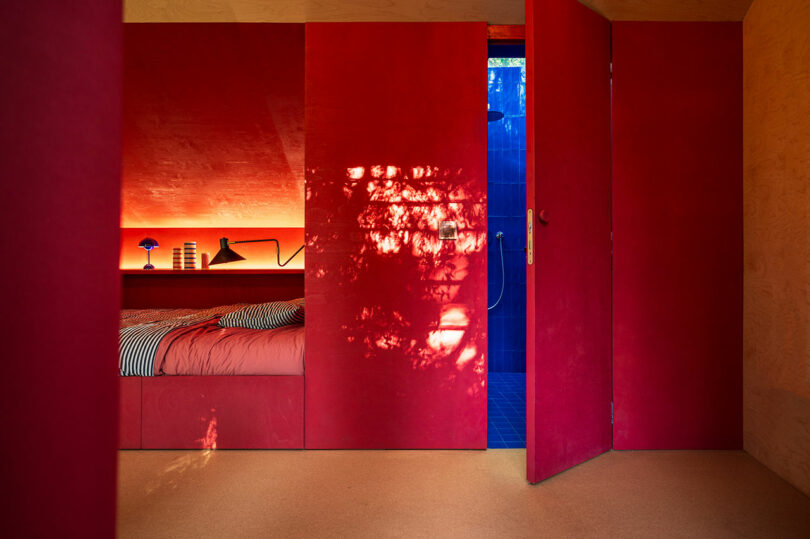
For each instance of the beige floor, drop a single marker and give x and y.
(451, 494)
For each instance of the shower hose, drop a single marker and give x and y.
(499, 235)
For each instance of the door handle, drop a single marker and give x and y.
(529, 237)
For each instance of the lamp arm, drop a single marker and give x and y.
(278, 249)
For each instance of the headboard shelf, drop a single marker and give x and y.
(154, 289)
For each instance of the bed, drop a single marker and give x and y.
(187, 382)
(192, 342)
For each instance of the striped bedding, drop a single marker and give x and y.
(141, 332)
(274, 314)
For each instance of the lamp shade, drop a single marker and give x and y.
(225, 254)
(148, 244)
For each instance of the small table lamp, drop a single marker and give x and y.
(148, 244)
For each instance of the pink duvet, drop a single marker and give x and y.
(207, 349)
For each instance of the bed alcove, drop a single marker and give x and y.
(205, 412)
(213, 147)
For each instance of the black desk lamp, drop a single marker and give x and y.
(226, 254)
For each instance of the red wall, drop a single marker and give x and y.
(213, 125)
(677, 223)
(396, 142)
(60, 159)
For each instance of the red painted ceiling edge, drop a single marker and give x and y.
(509, 33)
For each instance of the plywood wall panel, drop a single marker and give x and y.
(777, 237)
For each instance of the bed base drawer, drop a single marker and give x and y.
(222, 412)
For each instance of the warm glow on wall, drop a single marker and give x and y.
(213, 125)
(258, 255)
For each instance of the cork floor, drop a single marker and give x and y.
(452, 494)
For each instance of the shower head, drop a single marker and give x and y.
(494, 115)
(499, 235)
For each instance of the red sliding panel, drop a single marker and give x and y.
(60, 165)
(677, 213)
(568, 278)
(396, 144)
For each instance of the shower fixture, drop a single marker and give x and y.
(499, 235)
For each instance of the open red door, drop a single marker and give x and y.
(568, 357)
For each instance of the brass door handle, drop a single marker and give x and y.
(529, 238)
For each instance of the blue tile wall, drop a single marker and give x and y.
(506, 164)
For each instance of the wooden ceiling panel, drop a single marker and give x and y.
(491, 11)
(671, 10)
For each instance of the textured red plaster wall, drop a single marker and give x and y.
(213, 125)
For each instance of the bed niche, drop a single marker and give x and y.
(213, 149)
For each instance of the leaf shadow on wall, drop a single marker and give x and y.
(412, 306)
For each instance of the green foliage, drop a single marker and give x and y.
(507, 62)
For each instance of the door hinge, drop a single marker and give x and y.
(611, 412)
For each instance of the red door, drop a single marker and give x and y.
(568, 356)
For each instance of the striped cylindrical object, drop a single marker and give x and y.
(177, 258)
(190, 255)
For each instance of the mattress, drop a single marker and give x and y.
(210, 350)
(189, 342)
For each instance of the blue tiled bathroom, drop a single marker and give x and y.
(506, 158)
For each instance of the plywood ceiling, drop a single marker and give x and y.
(492, 11)
(671, 10)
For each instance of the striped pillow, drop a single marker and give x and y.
(274, 314)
